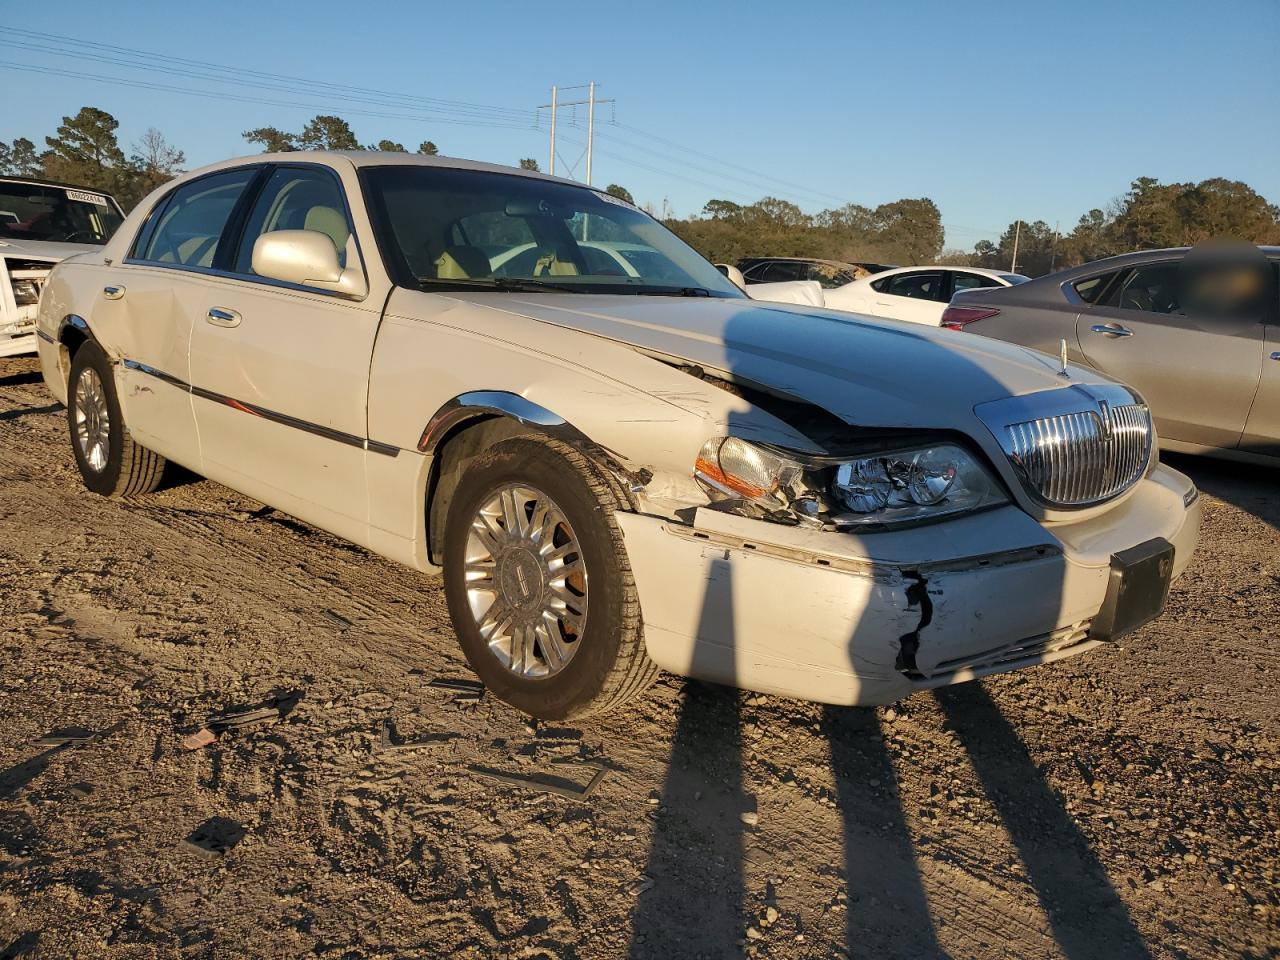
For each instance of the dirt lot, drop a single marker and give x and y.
(1122, 804)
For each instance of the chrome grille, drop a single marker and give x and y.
(1081, 445)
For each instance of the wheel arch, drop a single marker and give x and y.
(471, 423)
(73, 333)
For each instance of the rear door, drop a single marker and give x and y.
(1262, 430)
(1198, 374)
(136, 310)
(280, 371)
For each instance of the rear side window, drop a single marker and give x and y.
(297, 198)
(1090, 288)
(189, 229)
(783, 270)
(973, 281)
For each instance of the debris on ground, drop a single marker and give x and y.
(548, 783)
(214, 838)
(389, 738)
(276, 707)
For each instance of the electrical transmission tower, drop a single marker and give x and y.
(590, 102)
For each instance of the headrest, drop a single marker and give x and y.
(331, 223)
(462, 263)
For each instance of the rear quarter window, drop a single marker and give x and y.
(1090, 288)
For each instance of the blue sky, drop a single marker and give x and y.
(995, 111)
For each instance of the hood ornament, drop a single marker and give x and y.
(1064, 372)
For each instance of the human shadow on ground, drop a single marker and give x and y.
(1088, 918)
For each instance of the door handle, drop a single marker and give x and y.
(113, 292)
(1112, 329)
(221, 317)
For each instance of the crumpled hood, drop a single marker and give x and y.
(874, 373)
(44, 249)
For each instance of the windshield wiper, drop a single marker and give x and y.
(675, 292)
(505, 284)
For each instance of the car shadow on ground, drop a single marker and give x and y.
(16, 412)
(22, 377)
(1254, 489)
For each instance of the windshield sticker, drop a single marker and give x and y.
(80, 196)
(610, 198)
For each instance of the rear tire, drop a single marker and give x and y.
(538, 583)
(110, 463)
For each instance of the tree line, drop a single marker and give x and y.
(1150, 215)
(86, 151)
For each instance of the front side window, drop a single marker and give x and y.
(469, 228)
(297, 198)
(36, 211)
(1152, 288)
(189, 229)
(917, 286)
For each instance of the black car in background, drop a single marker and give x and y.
(828, 273)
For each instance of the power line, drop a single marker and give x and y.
(726, 163)
(214, 95)
(387, 98)
(415, 109)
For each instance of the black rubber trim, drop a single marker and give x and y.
(45, 337)
(350, 439)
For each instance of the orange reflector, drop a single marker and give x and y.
(713, 472)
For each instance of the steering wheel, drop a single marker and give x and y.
(71, 237)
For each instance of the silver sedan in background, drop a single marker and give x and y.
(1154, 320)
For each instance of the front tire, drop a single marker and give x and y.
(110, 463)
(538, 583)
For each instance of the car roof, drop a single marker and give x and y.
(40, 182)
(983, 271)
(381, 158)
(1121, 260)
(834, 263)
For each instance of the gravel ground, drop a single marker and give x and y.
(1122, 804)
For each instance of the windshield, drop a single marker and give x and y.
(1013, 279)
(467, 228)
(35, 211)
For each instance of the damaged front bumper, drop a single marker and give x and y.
(869, 618)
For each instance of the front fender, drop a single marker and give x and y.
(433, 350)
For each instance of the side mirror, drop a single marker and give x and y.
(307, 257)
(733, 273)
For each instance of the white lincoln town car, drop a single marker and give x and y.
(617, 461)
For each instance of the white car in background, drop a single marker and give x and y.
(40, 224)
(915, 294)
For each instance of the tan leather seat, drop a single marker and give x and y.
(192, 252)
(462, 263)
(332, 223)
(551, 265)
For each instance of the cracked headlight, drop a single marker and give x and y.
(898, 486)
(915, 484)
